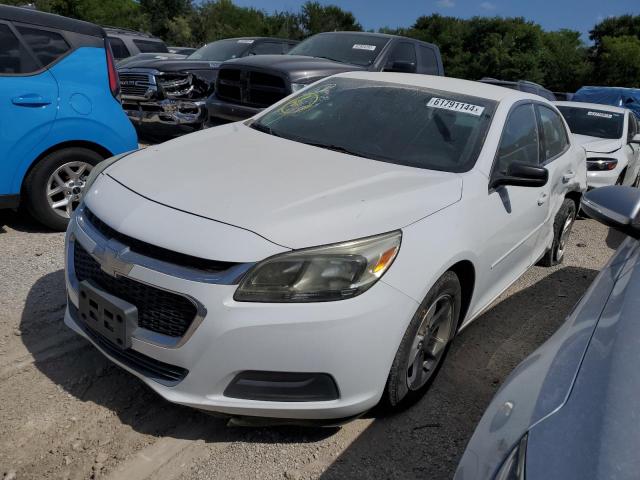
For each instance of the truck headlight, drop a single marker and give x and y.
(321, 274)
(513, 466)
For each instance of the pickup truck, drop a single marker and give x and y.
(166, 96)
(245, 86)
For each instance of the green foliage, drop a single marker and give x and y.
(622, 26)
(618, 61)
(316, 18)
(565, 61)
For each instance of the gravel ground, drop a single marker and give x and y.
(66, 412)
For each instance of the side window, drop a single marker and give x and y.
(47, 46)
(633, 127)
(402, 52)
(14, 58)
(519, 142)
(554, 134)
(146, 46)
(118, 48)
(428, 61)
(267, 48)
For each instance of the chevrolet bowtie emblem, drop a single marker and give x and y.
(110, 258)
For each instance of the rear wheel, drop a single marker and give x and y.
(562, 227)
(54, 186)
(425, 344)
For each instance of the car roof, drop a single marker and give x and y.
(455, 85)
(34, 17)
(593, 106)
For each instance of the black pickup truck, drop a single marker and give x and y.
(247, 85)
(166, 96)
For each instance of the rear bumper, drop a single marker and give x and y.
(9, 201)
(218, 110)
(169, 112)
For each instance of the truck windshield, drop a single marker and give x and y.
(356, 49)
(592, 122)
(401, 124)
(222, 50)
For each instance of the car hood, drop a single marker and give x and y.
(293, 194)
(598, 145)
(296, 67)
(169, 64)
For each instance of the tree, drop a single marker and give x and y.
(624, 25)
(316, 18)
(618, 61)
(161, 12)
(565, 61)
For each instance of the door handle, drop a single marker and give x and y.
(568, 176)
(542, 199)
(31, 100)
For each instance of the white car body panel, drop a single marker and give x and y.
(237, 195)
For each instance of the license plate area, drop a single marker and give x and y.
(109, 316)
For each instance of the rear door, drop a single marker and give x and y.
(28, 95)
(561, 163)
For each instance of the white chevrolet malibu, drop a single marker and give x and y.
(318, 259)
(611, 137)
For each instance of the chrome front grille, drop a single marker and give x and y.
(139, 85)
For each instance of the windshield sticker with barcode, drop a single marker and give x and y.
(454, 106)
(245, 41)
(358, 46)
(600, 114)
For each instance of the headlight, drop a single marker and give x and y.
(321, 274)
(298, 86)
(513, 466)
(601, 164)
(101, 167)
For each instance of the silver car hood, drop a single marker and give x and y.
(598, 145)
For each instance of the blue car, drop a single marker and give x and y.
(570, 411)
(60, 111)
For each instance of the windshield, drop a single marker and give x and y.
(593, 123)
(400, 124)
(356, 49)
(222, 50)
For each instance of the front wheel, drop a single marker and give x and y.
(561, 232)
(425, 344)
(54, 186)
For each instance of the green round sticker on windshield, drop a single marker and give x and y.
(307, 100)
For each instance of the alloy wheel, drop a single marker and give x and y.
(564, 237)
(65, 187)
(433, 335)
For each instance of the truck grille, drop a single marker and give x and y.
(248, 87)
(135, 84)
(160, 311)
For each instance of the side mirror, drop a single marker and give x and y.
(636, 138)
(615, 206)
(402, 67)
(523, 175)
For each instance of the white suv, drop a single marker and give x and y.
(611, 138)
(319, 258)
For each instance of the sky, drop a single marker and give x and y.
(578, 15)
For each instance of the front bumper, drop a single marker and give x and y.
(354, 341)
(602, 178)
(168, 112)
(218, 110)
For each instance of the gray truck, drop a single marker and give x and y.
(247, 85)
(166, 96)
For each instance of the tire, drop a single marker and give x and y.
(40, 202)
(620, 180)
(398, 392)
(562, 226)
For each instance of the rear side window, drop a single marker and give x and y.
(428, 61)
(118, 48)
(519, 142)
(47, 46)
(267, 48)
(14, 58)
(553, 132)
(147, 46)
(402, 52)
(633, 127)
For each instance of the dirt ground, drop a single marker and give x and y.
(66, 412)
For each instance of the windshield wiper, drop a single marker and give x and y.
(337, 148)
